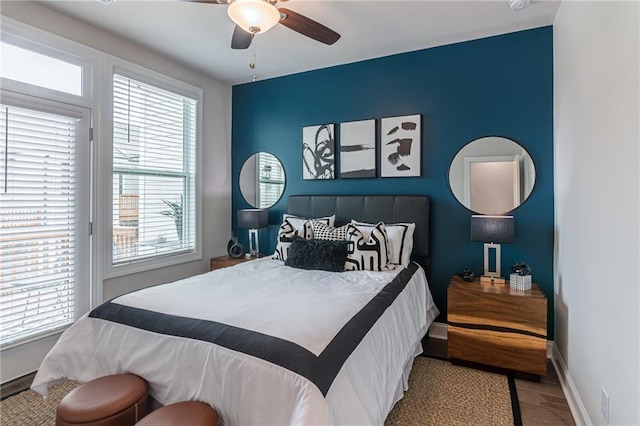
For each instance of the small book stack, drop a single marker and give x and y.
(520, 282)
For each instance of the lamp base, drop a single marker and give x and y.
(254, 249)
(489, 276)
(492, 280)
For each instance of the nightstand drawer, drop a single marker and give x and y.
(469, 304)
(514, 351)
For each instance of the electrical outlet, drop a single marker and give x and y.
(604, 406)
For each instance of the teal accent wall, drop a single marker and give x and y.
(497, 86)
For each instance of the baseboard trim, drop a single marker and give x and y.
(576, 406)
(16, 386)
(438, 330)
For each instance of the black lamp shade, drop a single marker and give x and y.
(253, 218)
(492, 229)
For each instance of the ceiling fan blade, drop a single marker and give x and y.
(240, 38)
(307, 26)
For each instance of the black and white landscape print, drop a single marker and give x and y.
(358, 149)
(318, 152)
(400, 146)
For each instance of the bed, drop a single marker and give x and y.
(291, 347)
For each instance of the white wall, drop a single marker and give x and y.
(597, 188)
(216, 184)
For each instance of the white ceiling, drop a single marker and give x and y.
(199, 35)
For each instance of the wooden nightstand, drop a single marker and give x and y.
(225, 261)
(493, 325)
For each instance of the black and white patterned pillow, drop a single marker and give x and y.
(287, 233)
(400, 237)
(322, 231)
(367, 253)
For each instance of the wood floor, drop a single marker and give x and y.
(541, 403)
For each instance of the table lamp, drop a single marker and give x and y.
(496, 229)
(252, 219)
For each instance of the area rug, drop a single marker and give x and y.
(439, 394)
(29, 408)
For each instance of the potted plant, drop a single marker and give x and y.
(175, 213)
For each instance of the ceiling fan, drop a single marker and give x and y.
(257, 16)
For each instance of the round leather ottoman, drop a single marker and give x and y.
(116, 400)
(190, 413)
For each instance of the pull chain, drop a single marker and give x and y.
(252, 64)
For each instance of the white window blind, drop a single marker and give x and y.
(37, 222)
(271, 180)
(154, 143)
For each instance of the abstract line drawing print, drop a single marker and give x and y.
(358, 149)
(318, 152)
(401, 146)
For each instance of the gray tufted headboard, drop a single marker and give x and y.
(373, 209)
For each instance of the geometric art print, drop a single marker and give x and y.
(400, 147)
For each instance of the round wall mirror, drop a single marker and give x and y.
(262, 180)
(492, 175)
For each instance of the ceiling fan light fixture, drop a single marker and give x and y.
(253, 16)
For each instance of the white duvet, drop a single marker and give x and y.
(307, 308)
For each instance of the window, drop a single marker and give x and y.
(44, 158)
(26, 66)
(154, 167)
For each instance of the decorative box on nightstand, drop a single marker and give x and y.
(225, 261)
(494, 325)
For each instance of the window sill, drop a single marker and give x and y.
(151, 264)
(35, 337)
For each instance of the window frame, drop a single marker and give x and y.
(147, 76)
(54, 47)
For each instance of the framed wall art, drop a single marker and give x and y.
(358, 149)
(318, 152)
(400, 147)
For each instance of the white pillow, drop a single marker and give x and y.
(298, 221)
(400, 237)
